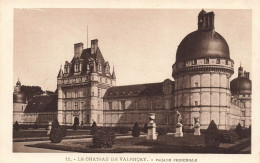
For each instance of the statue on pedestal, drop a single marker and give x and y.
(179, 132)
(151, 134)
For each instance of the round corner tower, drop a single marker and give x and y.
(202, 74)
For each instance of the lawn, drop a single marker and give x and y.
(164, 144)
(34, 133)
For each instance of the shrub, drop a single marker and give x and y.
(35, 126)
(23, 126)
(162, 131)
(104, 138)
(228, 136)
(56, 134)
(74, 127)
(212, 138)
(64, 131)
(94, 128)
(16, 126)
(145, 129)
(240, 132)
(136, 130)
(124, 130)
(189, 130)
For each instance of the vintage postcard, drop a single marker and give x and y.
(130, 82)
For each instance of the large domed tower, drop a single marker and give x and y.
(241, 88)
(202, 72)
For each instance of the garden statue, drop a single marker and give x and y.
(49, 128)
(151, 134)
(179, 132)
(197, 127)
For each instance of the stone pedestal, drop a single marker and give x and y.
(197, 129)
(49, 128)
(151, 134)
(178, 132)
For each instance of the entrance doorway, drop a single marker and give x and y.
(76, 121)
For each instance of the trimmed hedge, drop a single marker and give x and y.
(104, 138)
(94, 128)
(212, 137)
(162, 131)
(136, 130)
(240, 132)
(145, 129)
(16, 126)
(56, 134)
(228, 136)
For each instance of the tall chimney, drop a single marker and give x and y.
(78, 47)
(206, 20)
(240, 72)
(94, 46)
(246, 74)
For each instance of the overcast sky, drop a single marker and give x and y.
(140, 43)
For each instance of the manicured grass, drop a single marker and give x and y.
(164, 144)
(43, 133)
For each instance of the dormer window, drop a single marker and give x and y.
(107, 68)
(194, 62)
(206, 61)
(66, 69)
(226, 62)
(77, 68)
(218, 61)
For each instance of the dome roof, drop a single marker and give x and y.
(240, 86)
(202, 44)
(19, 98)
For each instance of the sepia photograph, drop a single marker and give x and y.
(132, 80)
(124, 81)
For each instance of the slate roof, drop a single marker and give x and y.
(85, 56)
(140, 90)
(42, 103)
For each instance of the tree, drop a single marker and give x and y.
(31, 91)
(136, 130)
(94, 128)
(56, 134)
(16, 126)
(212, 137)
(145, 129)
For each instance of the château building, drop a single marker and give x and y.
(201, 89)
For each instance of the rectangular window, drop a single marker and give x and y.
(110, 105)
(92, 94)
(98, 92)
(243, 114)
(81, 105)
(87, 119)
(76, 105)
(196, 103)
(206, 61)
(218, 61)
(98, 105)
(76, 94)
(151, 104)
(196, 84)
(65, 105)
(98, 118)
(122, 105)
(135, 105)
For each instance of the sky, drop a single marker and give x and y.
(140, 43)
